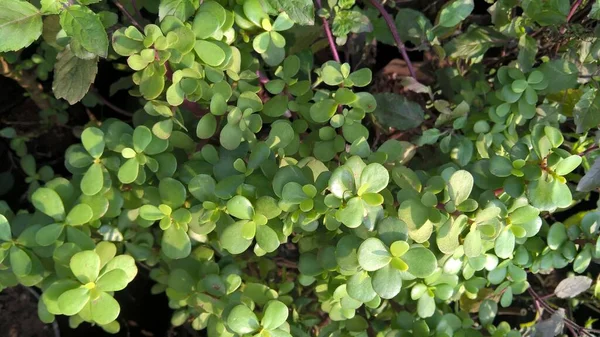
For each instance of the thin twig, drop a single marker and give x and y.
(569, 323)
(332, 45)
(112, 106)
(136, 9)
(392, 26)
(128, 15)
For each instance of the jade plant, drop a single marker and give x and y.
(270, 193)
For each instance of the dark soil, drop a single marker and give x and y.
(18, 315)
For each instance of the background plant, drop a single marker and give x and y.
(270, 194)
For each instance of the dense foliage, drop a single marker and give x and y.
(272, 195)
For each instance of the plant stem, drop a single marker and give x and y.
(573, 9)
(112, 106)
(332, 45)
(392, 26)
(28, 82)
(128, 15)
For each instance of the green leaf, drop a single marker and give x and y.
(472, 244)
(104, 309)
(528, 49)
(172, 192)
(398, 112)
(232, 240)
(276, 106)
(176, 243)
(71, 302)
(342, 182)
(113, 280)
(595, 11)
(48, 202)
(85, 266)
(242, 320)
(504, 245)
(181, 9)
(276, 313)
(373, 179)
(209, 52)
(412, 26)
(567, 165)
(202, 187)
(557, 235)
(79, 215)
(20, 261)
(323, 110)
(73, 77)
(360, 287)
(387, 282)
(474, 43)
(240, 207)
(151, 213)
(106, 251)
(49, 234)
(85, 28)
(207, 126)
(591, 180)
(421, 261)
(20, 25)
(352, 214)
(455, 12)
(487, 312)
(122, 262)
(231, 137)
(373, 255)
(142, 136)
(300, 11)
(267, 238)
(426, 306)
(52, 293)
(559, 68)
(5, 231)
(93, 180)
(548, 196)
(361, 78)
(587, 110)
(129, 171)
(460, 186)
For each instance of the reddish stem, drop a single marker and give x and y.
(392, 26)
(332, 45)
(573, 9)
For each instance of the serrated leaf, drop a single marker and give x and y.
(73, 76)
(397, 111)
(591, 180)
(85, 27)
(300, 11)
(20, 24)
(455, 12)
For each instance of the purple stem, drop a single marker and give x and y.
(573, 9)
(262, 78)
(390, 23)
(334, 51)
